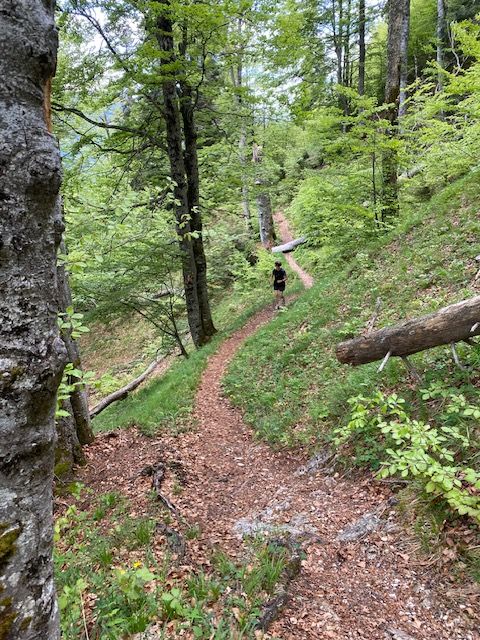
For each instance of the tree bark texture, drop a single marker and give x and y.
(402, 106)
(193, 192)
(32, 355)
(264, 205)
(361, 47)
(451, 324)
(441, 31)
(164, 34)
(398, 12)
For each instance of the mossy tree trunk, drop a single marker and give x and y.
(32, 355)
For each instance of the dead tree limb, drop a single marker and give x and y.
(122, 393)
(289, 246)
(371, 323)
(454, 323)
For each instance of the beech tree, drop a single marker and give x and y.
(32, 353)
(398, 21)
(182, 154)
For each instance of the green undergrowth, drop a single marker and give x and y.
(116, 577)
(166, 402)
(286, 378)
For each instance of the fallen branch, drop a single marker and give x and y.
(122, 393)
(371, 323)
(157, 472)
(454, 324)
(289, 246)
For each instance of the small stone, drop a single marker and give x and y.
(362, 527)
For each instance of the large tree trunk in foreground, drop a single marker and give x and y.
(450, 324)
(32, 355)
(164, 34)
(398, 12)
(264, 205)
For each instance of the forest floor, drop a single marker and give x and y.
(362, 575)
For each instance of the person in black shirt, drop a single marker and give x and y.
(279, 279)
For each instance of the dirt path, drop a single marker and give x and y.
(286, 236)
(362, 577)
(367, 586)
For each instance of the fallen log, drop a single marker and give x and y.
(455, 323)
(122, 393)
(289, 246)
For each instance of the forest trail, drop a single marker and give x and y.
(362, 576)
(286, 236)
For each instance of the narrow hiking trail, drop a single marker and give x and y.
(362, 576)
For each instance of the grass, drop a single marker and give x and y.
(115, 577)
(286, 378)
(293, 391)
(166, 402)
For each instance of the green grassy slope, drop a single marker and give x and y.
(287, 379)
(166, 402)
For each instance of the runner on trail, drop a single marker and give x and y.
(279, 279)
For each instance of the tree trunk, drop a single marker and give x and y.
(237, 81)
(32, 355)
(78, 398)
(397, 12)
(441, 28)
(450, 324)
(346, 57)
(193, 192)
(402, 107)
(164, 35)
(68, 451)
(338, 29)
(361, 47)
(264, 205)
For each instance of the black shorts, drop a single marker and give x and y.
(279, 286)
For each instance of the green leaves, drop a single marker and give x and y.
(418, 450)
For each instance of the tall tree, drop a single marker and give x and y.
(361, 47)
(182, 154)
(187, 110)
(237, 77)
(264, 204)
(441, 31)
(32, 353)
(402, 106)
(398, 12)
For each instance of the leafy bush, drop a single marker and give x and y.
(415, 449)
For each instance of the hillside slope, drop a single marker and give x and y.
(287, 378)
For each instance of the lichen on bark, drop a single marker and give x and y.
(32, 354)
